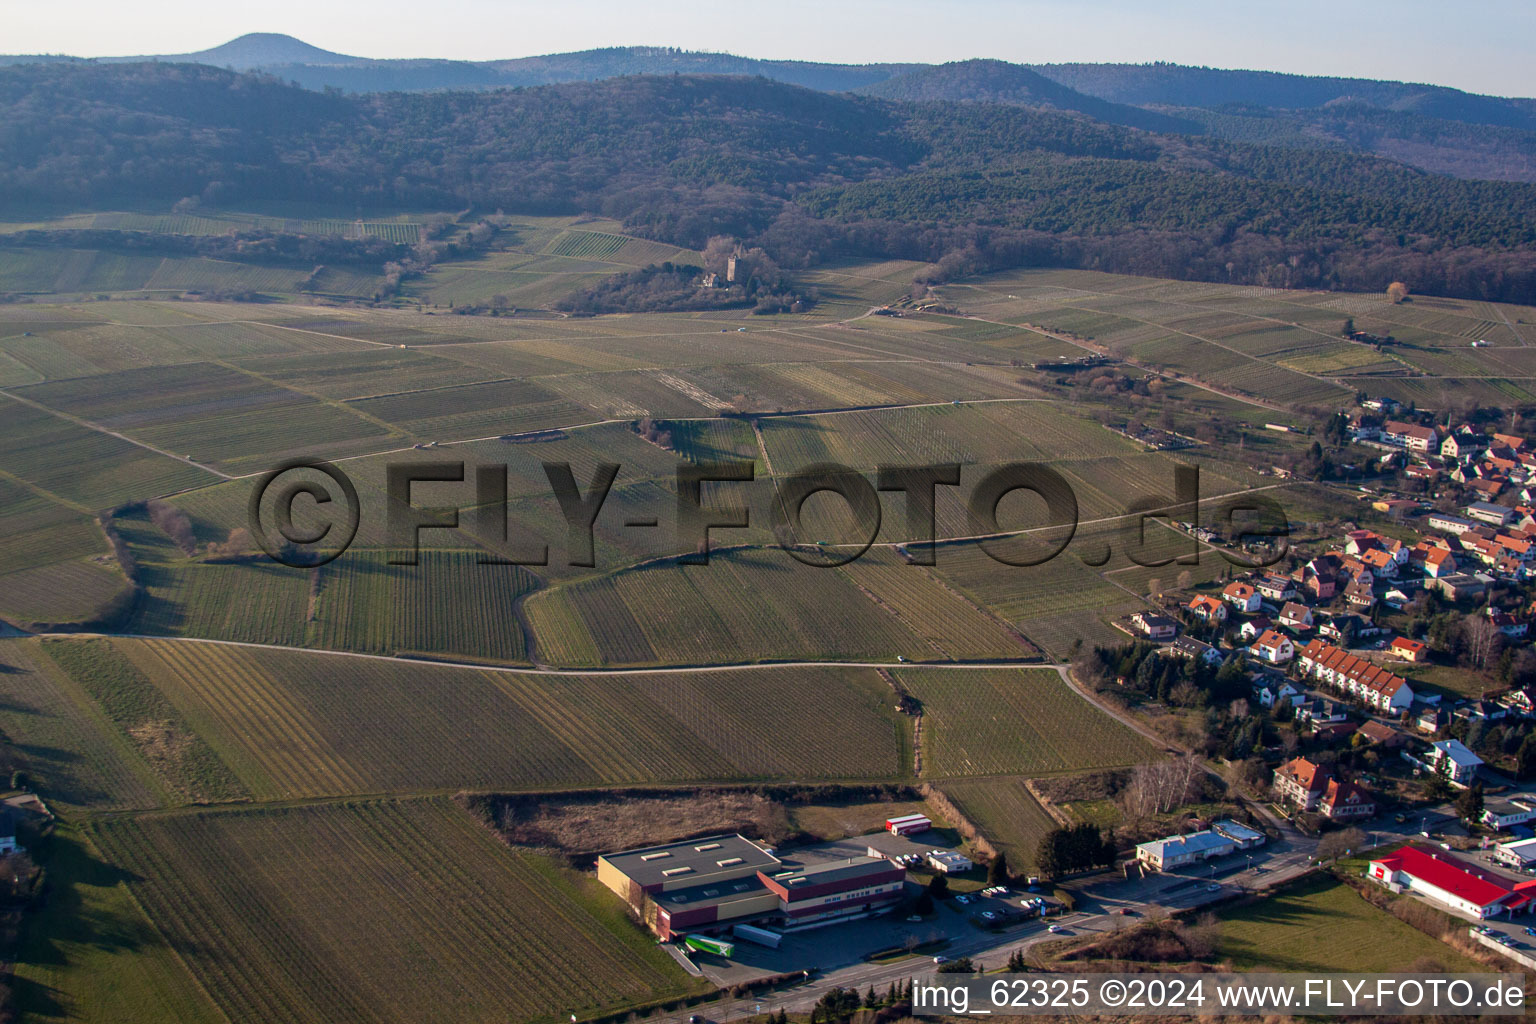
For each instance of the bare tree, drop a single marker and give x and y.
(1483, 639)
(1337, 844)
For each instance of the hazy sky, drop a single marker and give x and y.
(1486, 47)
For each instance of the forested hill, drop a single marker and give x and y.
(1444, 130)
(1177, 85)
(803, 173)
(996, 81)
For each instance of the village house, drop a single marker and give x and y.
(1348, 628)
(1460, 446)
(1242, 596)
(1345, 801)
(1296, 616)
(1453, 760)
(1154, 626)
(1319, 577)
(1411, 436)
(1189, 647)
(1254, 628)
(1207, 609)
(1320, 711)
(1408, 650)
(1438, 562)
(1274, 688)
(1300, 782)
(1507, 624)
(1380, 734)
(1273, 647)
(1360, 594)
(1278, 589)
(1521, 701)
(1382, 563)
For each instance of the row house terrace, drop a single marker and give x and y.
(1369, 683)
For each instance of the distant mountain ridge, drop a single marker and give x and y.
(1436, 128)
(1178, 85)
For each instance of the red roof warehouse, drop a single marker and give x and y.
(1451, 882)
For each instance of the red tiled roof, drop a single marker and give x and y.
(1402, 643)
(1371, 676)
(1446, 873)
(1305, 773)
(1339, 792)
(1271, 638)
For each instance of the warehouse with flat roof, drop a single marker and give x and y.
(707, 885)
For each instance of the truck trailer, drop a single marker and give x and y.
(757, 936)
(704, 944)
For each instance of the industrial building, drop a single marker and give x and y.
(1451, 882)
(1519, 854)
(948, 862)
(1222, 838)
(709, 885)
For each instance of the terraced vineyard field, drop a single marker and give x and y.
(1007, 814)
(36, 531)
(70, 747)
(475, 410)
(587, 245)
(315, 934)
(1014, 721)
(946, 621)
(1062, 592)
(448, 604)
(85, 466)
(298, 724)
(756, 605)
(166, 738)
(59, 593)
(986, 433)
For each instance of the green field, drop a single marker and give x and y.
(1324, 925)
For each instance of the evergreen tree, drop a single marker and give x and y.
(1525, 759)
(1470, 804)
